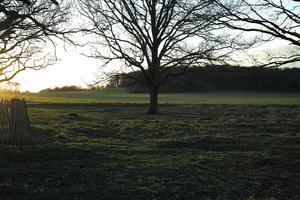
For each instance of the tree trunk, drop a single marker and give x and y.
(153, 106)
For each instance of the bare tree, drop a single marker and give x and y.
(268, 20)
(155, 36)
(26, 27)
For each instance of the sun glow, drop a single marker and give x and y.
(73, 69)
(76, 69)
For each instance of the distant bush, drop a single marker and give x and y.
(96, 87)
(63, 89)
(70, 88)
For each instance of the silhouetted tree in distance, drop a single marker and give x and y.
(28, 2)
(156, 36)
(224, 78)
(25, 25)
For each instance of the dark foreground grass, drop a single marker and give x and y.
(115, 151)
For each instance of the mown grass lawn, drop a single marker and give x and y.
(116, 151)
(121, 95)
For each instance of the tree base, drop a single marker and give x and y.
(153, 111)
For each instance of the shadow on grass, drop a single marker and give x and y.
(189, 152)
(64, 171)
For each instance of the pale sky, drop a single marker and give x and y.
(75, 69)
(72, 69)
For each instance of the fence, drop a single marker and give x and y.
(14, 122)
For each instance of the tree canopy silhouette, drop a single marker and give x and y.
(155, 36)
(270, 20)
(25, 26)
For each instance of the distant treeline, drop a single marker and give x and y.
(69, 88)
(221, 78)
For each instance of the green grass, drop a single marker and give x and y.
(119, 95)
(116, 151)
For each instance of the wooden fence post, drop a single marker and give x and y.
(14, 122)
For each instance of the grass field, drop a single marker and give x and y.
(119, 95)
(219, 145)
(115, 151)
